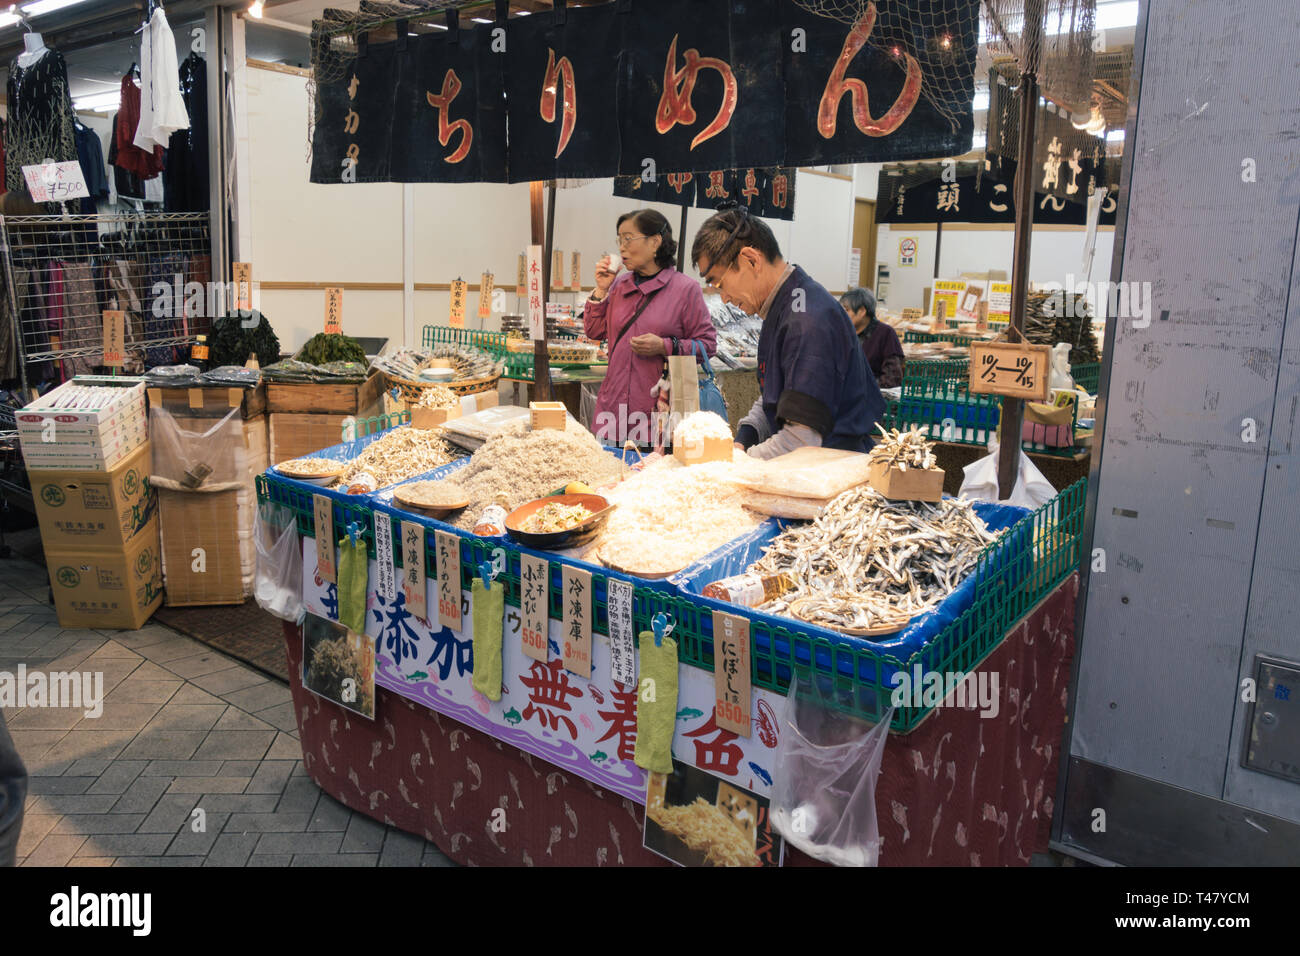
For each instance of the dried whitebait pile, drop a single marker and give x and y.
(310, 467)
(697, 426)
(403, 453)
(870, 565)
(907, 449)
(438, 396)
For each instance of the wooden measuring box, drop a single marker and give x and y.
(548, 415)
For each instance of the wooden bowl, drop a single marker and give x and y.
(438, 511)
(315, 478)
(599, 507)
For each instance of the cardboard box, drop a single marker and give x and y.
(83, 439)
(296, 435)
(432, 417)
(108, 589)
(203, 547)
(313, 398)
(210, 401)
(94, 511)
(914, 484)
(548, 415)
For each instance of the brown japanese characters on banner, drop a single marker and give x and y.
(766, 191)
(644, 87)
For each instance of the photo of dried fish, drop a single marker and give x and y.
(869, 565)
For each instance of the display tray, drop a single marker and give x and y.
(1004, 561)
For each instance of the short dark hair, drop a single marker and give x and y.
(652, 223)
(859, 298)
(712, 239)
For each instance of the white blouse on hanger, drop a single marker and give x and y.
(162, 110)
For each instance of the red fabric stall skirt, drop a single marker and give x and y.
(960, 790)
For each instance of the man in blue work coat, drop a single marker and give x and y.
(814, 385)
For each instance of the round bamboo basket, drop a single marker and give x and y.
(411, 390)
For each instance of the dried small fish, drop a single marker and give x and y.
(904, 449)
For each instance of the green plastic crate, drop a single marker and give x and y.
(435, 335)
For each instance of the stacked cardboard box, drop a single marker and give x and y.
(210, 444)
(89, 472)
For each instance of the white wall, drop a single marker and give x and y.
(312, 233)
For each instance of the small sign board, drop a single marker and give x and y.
(114, 338)
(575, 274)
(576, 639)
(333, 310)
(536, 295)
(241, 273)
(413, 569)
(534, 574)
(459, 291)
(1015, 370)
(448, 546)
(485, 287)
(55, 182)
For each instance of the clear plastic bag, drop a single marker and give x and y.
(278, 583)
(212, 455)
(827, 765)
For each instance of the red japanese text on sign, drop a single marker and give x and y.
(557, 72)
(679, 86)
(442, 103)
(837, 86)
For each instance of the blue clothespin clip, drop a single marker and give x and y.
(662, 624)
(354, 531)
(488, 572)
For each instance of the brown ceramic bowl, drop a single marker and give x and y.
(559, 540)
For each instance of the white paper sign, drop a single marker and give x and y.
(384, 556)
(536, 294)
(622, 653)
(55, 182)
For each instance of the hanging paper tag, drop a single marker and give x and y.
(485, 287)
(55, 182)
(575, 276)
(459, 289)
(448, 546)
(523, 275)
(534, 581)
(622, 653)
(241, 273)
(114, 337)
(557, 270)
(324, 514)
(731, 671)
(384, 556)
(536, 320)
(413, 569)
(577, 621)
(333, 310)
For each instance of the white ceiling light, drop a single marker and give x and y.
(99, 102)
(255, 9)
(47, 6)
(7, 20)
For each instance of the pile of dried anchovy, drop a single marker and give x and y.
(904, 449)
(870, 565)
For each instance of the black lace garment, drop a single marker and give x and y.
(40, 117)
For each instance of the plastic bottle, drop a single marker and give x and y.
(749, 589)
(199, 353)
(492, 522)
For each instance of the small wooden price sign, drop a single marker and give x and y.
(731, 672)
(485, 287)
(576, 639)
(323, 513)
(557, 270)
(534, 583)
(523, 274)
(242, 276)
(575, 274)
(1015, 370)
(333, 310)
(459, 289)
(448, 551)
(413, 569)
(114, 337)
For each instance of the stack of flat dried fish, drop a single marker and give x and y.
(869, 565)
(908, 449)
(1061, 316)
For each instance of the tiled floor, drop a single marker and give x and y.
(194, 762)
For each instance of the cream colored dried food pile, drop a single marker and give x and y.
(671, 514)
(403, 453)
(439, 396)
(521, 465)
(698, 426)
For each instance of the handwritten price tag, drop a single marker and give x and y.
(575, 274)
(241, 273)
(333, 310)
(485, 287)
(323, 511)
(1014, 370)
(459, 290)
(523, 275)
(413, 569)
(534, 577)
(384, 556)
(576, 639)
(55, 182)
(448, 546)
(731, 672)
(114, 337)
(557, 270)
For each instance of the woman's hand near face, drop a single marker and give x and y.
(605, 275)
(648, 346)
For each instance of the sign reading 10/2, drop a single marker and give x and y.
(1016, 371)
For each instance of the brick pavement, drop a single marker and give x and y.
(183, 728)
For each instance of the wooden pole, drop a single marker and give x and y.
(938, 244)
(681, 240)
(1013, 409)
(542, 236)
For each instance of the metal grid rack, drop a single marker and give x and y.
(62, 272)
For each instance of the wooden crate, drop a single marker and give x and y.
(295, 435)
(316, 399)
(210, 401)
(911, 485)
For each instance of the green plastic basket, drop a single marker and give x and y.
(435, 335)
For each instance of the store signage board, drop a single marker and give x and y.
(333, 310)
(114, 338)
(576, 644)
(459, 291)
(1016, 371)
(586, 727)
(485, 287)
(949, 291)
(522, 288)
(413, 583)
(575, 274)
(999, 301)
(534, 579)
(448, 551)
(323, 511)
(55, 182)
(536, 316)
(731, 676)
(622, 650)
(384, 556)
(241, 274)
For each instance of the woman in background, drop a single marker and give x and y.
(880, 345)
(646, 313)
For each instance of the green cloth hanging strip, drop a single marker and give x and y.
(655, 719)
(353, 583)
(489, 616)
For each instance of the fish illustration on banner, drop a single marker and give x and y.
(582, 726)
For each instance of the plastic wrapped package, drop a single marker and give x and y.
(809, 472)
(824, 789)
(186, 460)
(278, 583)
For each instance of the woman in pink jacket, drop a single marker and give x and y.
(646, 313)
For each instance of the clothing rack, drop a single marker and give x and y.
(62, 272)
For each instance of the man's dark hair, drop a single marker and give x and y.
(724, 234)
(652, 223)
(859, 298)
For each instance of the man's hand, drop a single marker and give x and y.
(648, 345)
